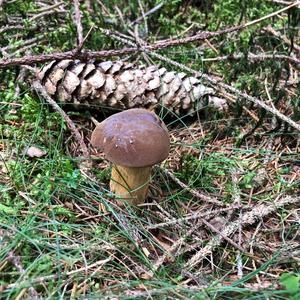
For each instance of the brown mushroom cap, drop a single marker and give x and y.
(132, 138)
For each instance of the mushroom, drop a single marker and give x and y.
(133, 140)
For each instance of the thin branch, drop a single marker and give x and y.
(41, 90)
(77, 21)
(237, 200)
(75, 54)
(195, 193)
(161, 259)
(24, 43)
(282, 37)
(13, 27)
(194, 216)
(151, 11)
(205, 35)
(281, 2)
(16, 261)
(215, 83)
(233, 90)
(83, 55)
(48, 8)
(85, 164)
(258, 212)
(143, 16)
(255, 57)
(230, 241)
(30, 282)
(271, 15)
(46, 13)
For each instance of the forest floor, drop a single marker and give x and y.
(222, 217)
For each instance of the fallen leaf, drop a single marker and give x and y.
(34, 152)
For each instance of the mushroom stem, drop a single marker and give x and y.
(130, 184)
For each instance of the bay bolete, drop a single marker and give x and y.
(133, 140)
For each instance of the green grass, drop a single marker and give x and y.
(62, 234)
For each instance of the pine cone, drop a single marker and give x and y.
(123, 85)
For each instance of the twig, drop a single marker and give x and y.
(276, 13)
(255, 100)
(230, 241)
(255, 57)
(24, 43)
(77, 21)
(31, 282)
(151, 11)
(206, 35)
(197, 194)
(194, 216)
(85, 38)
(257, 213)
(215, 83)
(22, 49)
(48, 8)
(13, 27)
(16, 261)
(129, 227)
(85, 163)
(237, 200)
(174, 247)
(233, 90)
(20, 78)
(143, 16)
(41, 90)
(281, 2)
(46, 13)
(74, 54)
(282, 37)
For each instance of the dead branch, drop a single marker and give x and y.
(257, 213)
(281, 2)
(161, 259)
(237, 200)
(193, 216)
(46, 13)
(86, 55)
(14, 27)
(233, 90)
(283, 37)
(48, 8)
(226, 238)
(151, 11)
(195, 193)
(25, 43)
(41, 90)
(77, 21)
(74, 54)
(215, 83)
(16, 261)
(54, 276)
(255, 57)
(84, 164)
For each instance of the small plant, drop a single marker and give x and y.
(291, 282)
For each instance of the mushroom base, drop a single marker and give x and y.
(130, 184)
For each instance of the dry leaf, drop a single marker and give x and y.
(34, 152)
